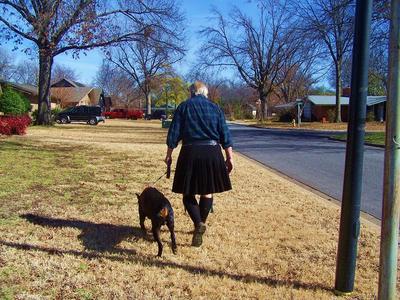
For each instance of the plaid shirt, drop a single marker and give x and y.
(198, 119)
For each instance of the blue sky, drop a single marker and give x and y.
(197, 14)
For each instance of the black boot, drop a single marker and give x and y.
(205, 207)
(192, 207)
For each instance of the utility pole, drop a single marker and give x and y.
(391, 184)
(351, 199)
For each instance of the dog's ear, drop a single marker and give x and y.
(164, 212)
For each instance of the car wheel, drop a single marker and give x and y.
(63, 120)
(93, 121)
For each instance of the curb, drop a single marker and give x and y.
(367, 144)
(310, 131)
(293, 129)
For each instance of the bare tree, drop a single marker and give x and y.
(55, 27)
(379, 51)
(26, 72)
(296, 84)
(146, 59)
(118, 85)
(331, 23)
(23, 72)
(257, 50)
(6, 65)
(61, 71)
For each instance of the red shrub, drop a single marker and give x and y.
(14, 124)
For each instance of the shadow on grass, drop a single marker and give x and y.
(112, 234)
(98, 237)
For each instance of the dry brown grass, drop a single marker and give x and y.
(369, 126)
(70, 230)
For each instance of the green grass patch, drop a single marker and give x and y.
(6, 293)
(376, 138)
(84, 294)
(33, 175)
(24, 166)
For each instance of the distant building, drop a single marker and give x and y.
(31, 92)
(72, 93)
(318, 107)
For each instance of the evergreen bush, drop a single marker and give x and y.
(13, 103)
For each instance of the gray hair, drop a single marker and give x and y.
(198, 88)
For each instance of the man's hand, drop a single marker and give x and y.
(229, 159)
(229, 165)
(168, 160)
(168, 157)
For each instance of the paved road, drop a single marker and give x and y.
(313, 159)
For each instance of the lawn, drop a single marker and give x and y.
(70, 229)
(375, 138)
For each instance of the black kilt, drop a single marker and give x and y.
(201, 170)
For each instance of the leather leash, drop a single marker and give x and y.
(168, 173)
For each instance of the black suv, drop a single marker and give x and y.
(89, 114)
(157, 114)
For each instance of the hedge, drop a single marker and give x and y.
(10, 125)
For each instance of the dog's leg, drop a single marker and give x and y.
(170, 225)
(142, 217)
(156, 234)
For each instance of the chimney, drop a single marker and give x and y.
(346, 91)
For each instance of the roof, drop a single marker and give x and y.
(286, 105)
(26, 88)
(67, 83)
(327, 100)
(373, 100)
(95, 94)
(331, 100)
(70, 94)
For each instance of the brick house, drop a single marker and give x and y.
(319, 107)
(72, 93)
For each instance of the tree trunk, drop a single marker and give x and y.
(264, 105)
(338, 117)
(148, 103)
(45, 64)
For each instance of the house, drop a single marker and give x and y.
(31, 92)
(249, 110)
(320, 107)
(72, 93)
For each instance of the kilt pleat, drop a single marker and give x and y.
(201, 170)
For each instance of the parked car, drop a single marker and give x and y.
(159, 114)
(89, 114)
(134, 114)
(120, 113)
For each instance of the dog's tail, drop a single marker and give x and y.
(164, 212)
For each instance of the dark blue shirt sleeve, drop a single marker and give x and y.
(224, 133)
(175, 129)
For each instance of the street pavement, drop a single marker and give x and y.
(311, 158)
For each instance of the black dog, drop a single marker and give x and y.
(155, 206)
